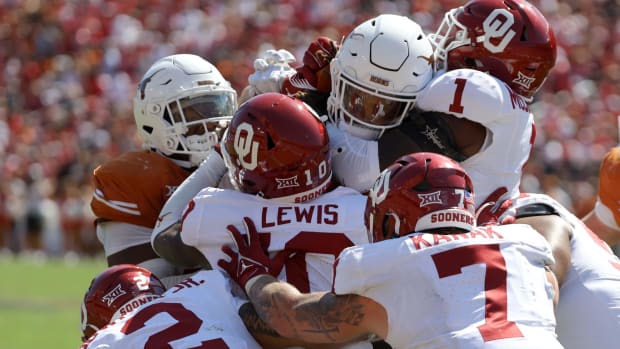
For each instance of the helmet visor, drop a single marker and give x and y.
(202, 114)
(197, 123)
(372, 108)
(206, 106)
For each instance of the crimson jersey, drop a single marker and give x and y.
(199, 312)
(133, 187)
(317, 230)
(485, 289)
(588, 313)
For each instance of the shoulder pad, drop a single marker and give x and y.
(536, 209)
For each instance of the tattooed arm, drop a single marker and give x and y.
(268, 338)
(319, 317)
(265, 335)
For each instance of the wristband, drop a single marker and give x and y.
(251, 282)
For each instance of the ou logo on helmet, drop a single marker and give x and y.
(246, 149)
(497, 25)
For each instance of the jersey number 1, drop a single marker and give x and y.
(456, 106)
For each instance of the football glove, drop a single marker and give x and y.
(492, 209)
(270, 71)
(250, 259)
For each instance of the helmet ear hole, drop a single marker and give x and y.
(423, 186)
(470, 62)
(147, 129)
(387, 227)
(524, 36)
(249, 184)
(270, 143)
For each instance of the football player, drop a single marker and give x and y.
(474, 117)
(588, 312)
(449, 284)
(589, 274)
(498, 36)
(276, 150)
(182, 106)
(510, 40)
(366, 85)
(115, 292)
(128, 308)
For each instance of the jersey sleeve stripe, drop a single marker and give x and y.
(118, 205)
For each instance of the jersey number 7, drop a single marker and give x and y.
(496, 324)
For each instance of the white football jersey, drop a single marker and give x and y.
(355, 161)
(464, 93)
(480, 97)
(199, 312)
(588, 313)
(317, 230)
(483, 289)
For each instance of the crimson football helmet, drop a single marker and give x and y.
(115, 292)
(277, 147)
(182, 107)
(418, 192)
(509, 39)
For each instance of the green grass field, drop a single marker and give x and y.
(40, 301)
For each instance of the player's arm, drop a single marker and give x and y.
(557, 232)
(169, 245)
(607, 230)
(166, 235)
(115, 233)
(268, 338)
(543, 218)
(318, 317)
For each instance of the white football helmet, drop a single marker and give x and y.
(182, 107)
(378, 71)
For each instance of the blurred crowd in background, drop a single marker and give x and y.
(68, 71)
